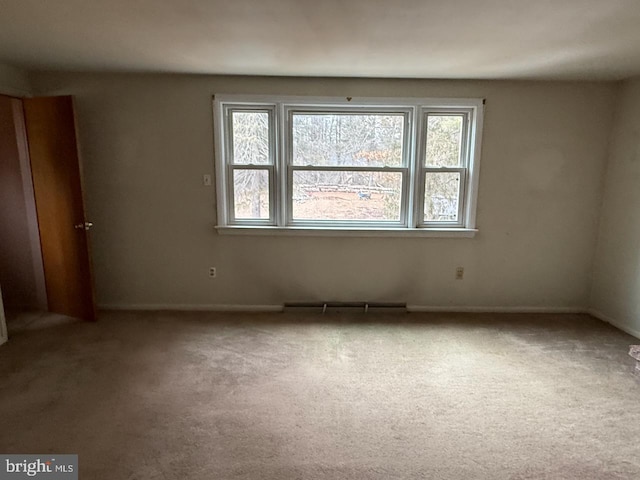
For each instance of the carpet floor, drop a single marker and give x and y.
(341, 396)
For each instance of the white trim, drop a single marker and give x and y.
(437, 102)
(289, 110)
(493, 309)
(220, 169)
(156, 307)
(463, 169)
(185, 307)
(616, 323)
(279, 308)
(415, 140)
(231, 166)
(341, 168)
(475, 153)
(333, 231)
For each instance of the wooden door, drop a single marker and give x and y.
(57, 184)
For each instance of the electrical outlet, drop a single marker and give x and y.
(212, 272)
(459, 273)
(206, 180)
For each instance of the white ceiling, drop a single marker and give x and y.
(550, 39)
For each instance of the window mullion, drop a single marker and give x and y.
(280, 164)
(287, 174)
(444, 169)
(415, 169)
(462, 197)
(325, 168)
(231, 217)
(226, 154)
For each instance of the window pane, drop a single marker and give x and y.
(444, 140)
(329, 139)
(441, 196)
(250, 137)
(251, 194)
(347, 196)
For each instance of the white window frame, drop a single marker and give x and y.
(230, 166)
(413, 169)
(464, 207)
(289, 111)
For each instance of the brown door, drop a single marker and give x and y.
(57, 185)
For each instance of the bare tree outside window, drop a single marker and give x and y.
(250, 140)
(443, 149)
(251, 194)
(444, 140)
(347, 140)
(355, 140)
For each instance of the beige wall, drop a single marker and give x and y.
(14, 81)
(616, 282)
(147, 140)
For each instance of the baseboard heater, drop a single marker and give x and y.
(365, 307)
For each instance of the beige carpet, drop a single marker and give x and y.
(344, 396)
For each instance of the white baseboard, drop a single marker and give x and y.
(493, 309)
(155, 307)
(616, 323)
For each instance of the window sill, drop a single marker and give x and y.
(347, 232)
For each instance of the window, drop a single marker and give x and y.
(377, 166)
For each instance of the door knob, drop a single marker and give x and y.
(83, 226)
